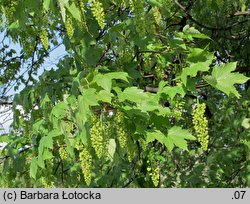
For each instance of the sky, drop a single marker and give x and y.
(50, 62)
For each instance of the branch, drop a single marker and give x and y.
(150, 89)
(238, 13)
(5, 103)
(243, 69)
(20, 151)
(204, 26)
(30, 67)
(32, 62)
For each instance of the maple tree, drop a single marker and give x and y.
(150, 93)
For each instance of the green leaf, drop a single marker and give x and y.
(47, 154)
(247, 143)
(172, 91)
(178, 136)
(45, 142)
(133, 111)
(192, 32)
(246, 123)
(152, 104)
(163, 111)
(117, 75)
(4, 138)
(46, 4)
(38, 126)
(103, 82)
(89, 97)
(40, 161)
(14, 25)
(199, 60)
(169, 144)
(155, 135)
(177, 42)
(62, 4)
(81, 119)
(83, 136)
(59, 109)
(54, 133)
(199, 55)
(45, 100)
(105, 96)
(179, 132)
(223, 79)
(111, 149)
(133, 94)
(75, 12)
(157, 3)
(33, 168)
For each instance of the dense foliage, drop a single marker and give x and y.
(150, 94)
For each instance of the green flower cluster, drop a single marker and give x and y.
(120, 129)
(44, 38)
(132, 5)
(97, 137)
(178, 110)
(69, 27)
(86, 165)
(9, 8)
(159, 71)
(63, 153)
(154, 173)
(98, 12)
(200, 123)
(157, 15)
(81, 6)
(107, 132)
